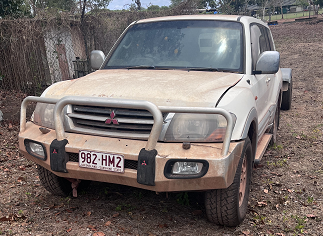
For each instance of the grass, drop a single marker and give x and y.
(310, 200)
(292, 15)
(300, 223)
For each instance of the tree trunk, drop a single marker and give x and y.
(138, 4)
(309, 12)
(281, 8)
(83, 11)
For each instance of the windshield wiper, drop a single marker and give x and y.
(140, 67)
(202, 69)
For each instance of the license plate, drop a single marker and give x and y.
(101, 161)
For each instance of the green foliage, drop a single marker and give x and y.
(153, 8)
(231, 7)
(200, 3)
(300, 223)
(65, 5)
(318, 2)
(14, 8)
(302, 3)
(310, 200)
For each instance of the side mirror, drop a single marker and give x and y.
(96, 59)
(268, 63)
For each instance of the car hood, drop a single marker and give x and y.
(161, 87)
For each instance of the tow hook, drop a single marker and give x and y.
(75, 184)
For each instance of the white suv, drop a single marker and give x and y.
(182, 103)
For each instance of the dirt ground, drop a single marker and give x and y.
(286, 192)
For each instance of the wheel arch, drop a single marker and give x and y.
(286, 77)
(251, 130)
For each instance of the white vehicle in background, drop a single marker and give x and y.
(180, 103)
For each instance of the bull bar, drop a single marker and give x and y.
(156, 111)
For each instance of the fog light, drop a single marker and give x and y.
(35, 149)
(187, 168)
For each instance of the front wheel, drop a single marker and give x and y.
(229, 206)
(53, 183)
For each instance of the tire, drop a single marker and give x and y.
(229, 206)
(54, 184)
(287, 97)
(274, 129)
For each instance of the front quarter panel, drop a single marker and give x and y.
(240, 101)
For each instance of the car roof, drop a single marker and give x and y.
(191, 17)
(237, 18)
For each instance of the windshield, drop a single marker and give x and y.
(194, 44)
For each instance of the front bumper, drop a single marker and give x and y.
(220, 173)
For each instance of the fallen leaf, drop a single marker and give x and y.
(121, 228)
(262, 204)
(68, 230)
(107, 223)
(246, 232)
(99, 234)
(12, 217)
(22, 168)
(6, 170)
(280, 234)
(310, 216)
(116, 215)
(88, 213)
(290, 190)
(91, 227)
(265, 190)
(10, 126)
(20, 179)
(6, 218)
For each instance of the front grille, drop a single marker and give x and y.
(128, 164)
(132, 123)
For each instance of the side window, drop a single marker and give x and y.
(264, 40)
(271, 43)
(259, 42)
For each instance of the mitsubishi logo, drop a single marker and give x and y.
(114, 121)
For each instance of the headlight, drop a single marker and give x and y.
(188, 127)
(44, 115)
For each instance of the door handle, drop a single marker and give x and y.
(267, 80)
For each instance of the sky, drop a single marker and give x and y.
(120, 4)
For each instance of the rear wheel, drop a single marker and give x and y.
(53, 183)
(229, 206)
